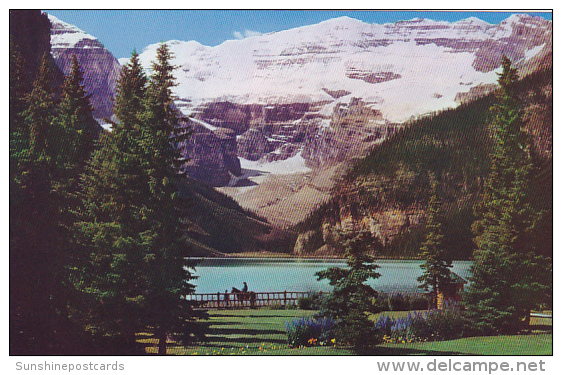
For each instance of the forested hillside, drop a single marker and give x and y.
(219, 226)
(387, 192)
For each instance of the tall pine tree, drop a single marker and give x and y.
(170, 274)
(436, 267)
(34, 260)
(43, 186)
(114, 190)
(351, 298)
(132, 222)
(506, 276)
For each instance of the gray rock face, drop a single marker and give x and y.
(351, 131)
(212, 155)
(100, 68)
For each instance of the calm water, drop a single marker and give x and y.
(264, 275)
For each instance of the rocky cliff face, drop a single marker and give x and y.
(101, 69)
(212, 155)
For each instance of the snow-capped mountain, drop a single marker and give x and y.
(274, 115)
(306, 99)
(401, 69)
(101, 69)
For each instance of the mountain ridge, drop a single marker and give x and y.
(100, 68)
(327, 93)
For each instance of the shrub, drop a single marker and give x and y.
(276, 306)
(310, 331)
(384, 325)
(419, 329)
(313, 301)
(397, 302)
(400, 302)
(418, 302)
(280, 306)
(380, 302)
(409, 329)
(358, 331)
(291, 306)
(448, 323)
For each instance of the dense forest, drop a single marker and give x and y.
(98, 250)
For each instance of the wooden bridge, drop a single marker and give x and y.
(248, 299)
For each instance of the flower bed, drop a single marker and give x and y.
(433, 325)
(310, 332)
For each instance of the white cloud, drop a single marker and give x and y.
(245, 34)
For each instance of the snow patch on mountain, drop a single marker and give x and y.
(65, 35)
(294, 164)
(529, 54)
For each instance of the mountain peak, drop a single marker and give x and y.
(474, 20)
(344, 21)
(65, 35)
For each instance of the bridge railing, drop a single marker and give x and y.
(249, 299)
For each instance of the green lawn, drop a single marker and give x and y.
(262, 332)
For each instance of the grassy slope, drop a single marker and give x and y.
(262, 332)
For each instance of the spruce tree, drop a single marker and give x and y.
(72, 140)
(169, 280)
(114, 190)
(351, 298)
(42, 192)
(132, 223)
(436, 267)
(75, 122)
(506, 272)
(35, 262)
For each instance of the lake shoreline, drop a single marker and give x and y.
(299, 275)
(269, 254)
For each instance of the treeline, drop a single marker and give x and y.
(97, 244)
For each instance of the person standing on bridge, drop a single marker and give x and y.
(245, 288)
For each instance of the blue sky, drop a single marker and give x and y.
(121, 31)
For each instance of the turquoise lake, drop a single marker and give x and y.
(297, 275)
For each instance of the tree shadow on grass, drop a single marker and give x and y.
(386, 351)
(244, 331)
(541, 328)
(225, 341)
(213, 324)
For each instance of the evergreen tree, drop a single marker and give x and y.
(40, 224)
(34, 258)
(506, 271)
(131, 226)
(114, 190)
(17, 89)
(74, 117)
(351, 298)
(436, 267)
(41, 110)
(169, 280)
(72, 142)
